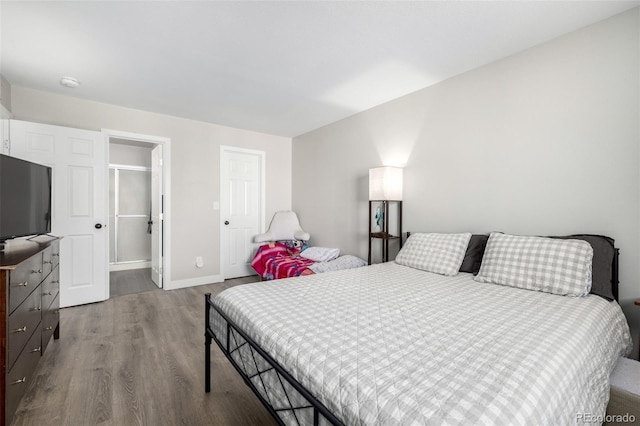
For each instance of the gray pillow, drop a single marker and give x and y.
(603, 253)
(438, 253)
(538, 263)
(473, 256)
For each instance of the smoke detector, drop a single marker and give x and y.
(69, 82)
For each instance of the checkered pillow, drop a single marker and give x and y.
(439, 253)
(536, 263)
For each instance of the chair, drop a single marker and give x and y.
(284, 226)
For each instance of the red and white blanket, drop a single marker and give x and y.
(275, 260)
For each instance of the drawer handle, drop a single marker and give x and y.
(19, 330)
(37, 308)
(55, 255)
(17, 382)
(24, 284)
(55, 282)
(36, 271)
(49, 328)
(48, 293)
(36, 349)
(47, 262)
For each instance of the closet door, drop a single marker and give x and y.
(157, 227)
(78, 159)
(242, 208)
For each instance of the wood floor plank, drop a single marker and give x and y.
(130, 281)
(138, 359)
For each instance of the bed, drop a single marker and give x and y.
(395, 343)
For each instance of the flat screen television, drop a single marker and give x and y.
(25, 198)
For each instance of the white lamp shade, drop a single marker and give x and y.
(385, 183)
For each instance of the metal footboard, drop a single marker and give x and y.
(287, 400)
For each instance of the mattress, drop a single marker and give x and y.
(392, 345)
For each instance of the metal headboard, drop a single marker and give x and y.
(614, 273)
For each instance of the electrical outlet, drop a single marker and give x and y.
(199, 262)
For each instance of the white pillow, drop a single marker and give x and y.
(320, 254)
(343, 262)
(537, 263)
(438, 253)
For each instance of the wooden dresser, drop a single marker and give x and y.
(29, 312)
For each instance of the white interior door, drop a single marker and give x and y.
(156, 215)
(242, 195)
(78, 159)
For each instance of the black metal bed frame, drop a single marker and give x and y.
(319, 410)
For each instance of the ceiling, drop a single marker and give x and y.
(278, 67)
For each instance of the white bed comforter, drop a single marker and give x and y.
(392, 345)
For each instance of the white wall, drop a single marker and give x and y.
(5, 113)
(545, 142)
(129, 155)
(5, 93)
(195, 161)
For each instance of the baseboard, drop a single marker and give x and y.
(191, 282)
(129, 266)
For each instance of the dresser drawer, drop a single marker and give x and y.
(21, 374)
(47, 261)
(24, 279)
(55, 253)
(22, 323)
(50, 288)
(50, 320)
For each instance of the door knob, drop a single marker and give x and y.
(98, 225)
(226, 222)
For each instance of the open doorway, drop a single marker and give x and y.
(138, 220)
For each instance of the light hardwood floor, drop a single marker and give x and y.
(131, 281)
(138, 359)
